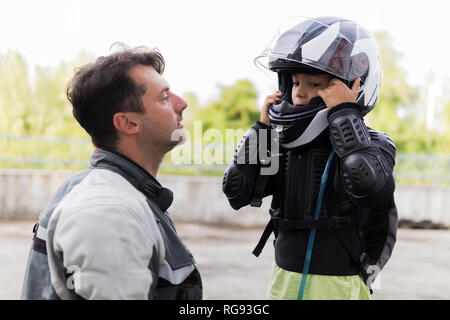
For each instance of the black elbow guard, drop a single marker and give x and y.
(232, 184)
(348, 132)
(239, 179)
(367, 178)
(238, 184)
(363, 173)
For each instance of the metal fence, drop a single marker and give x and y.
(38, 152)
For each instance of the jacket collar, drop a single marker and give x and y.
(133, 173)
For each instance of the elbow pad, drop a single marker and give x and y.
(367, 176)
(363, 174)
(348, 132)
(367, 156)
(238, 184)
(239, 179)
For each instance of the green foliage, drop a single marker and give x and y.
(409, 132)
(15, 95)
(35, 104)
(235, 108)
(40, 109)
(215, 129)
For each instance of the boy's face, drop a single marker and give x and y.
(306, 87)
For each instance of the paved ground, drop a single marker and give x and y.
(419, 268)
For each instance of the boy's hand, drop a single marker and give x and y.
(272, 99)
(337, 92)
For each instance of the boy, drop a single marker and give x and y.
(332, 212)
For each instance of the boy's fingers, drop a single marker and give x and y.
(275, 96)
(333, 81)
(355, 86)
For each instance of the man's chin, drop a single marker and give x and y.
(178, 136)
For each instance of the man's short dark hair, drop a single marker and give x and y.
(100, 89)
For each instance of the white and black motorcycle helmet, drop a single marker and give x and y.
(330, 45)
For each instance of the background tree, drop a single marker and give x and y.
(15, 95)
(401, 108)
(235, 109)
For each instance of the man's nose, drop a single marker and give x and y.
(179, 104)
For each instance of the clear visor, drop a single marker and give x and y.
(321, 46)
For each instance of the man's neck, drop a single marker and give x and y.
(149, 160)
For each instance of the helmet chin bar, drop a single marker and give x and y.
(297, 125)
(288, 123)
(315, 128)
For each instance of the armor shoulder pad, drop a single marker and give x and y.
(383, 141)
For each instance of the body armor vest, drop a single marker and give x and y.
(348, 239)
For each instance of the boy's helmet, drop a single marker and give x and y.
(330, 45)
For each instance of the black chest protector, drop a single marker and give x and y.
(344, 245)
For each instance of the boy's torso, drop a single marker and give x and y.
(294, 198)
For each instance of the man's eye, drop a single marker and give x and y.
(296, 84)
(314, 85)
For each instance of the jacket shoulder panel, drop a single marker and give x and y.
(384, 142)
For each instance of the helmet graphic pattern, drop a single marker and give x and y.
(333, 45)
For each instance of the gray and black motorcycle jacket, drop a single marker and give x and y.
(106, 234)
(356, 230)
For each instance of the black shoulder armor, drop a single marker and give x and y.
(367, 173)
(348, 133)
(367, 157)
(384, 142)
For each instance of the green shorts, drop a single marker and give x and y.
(284, 285)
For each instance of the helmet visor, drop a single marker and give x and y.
(317, 44)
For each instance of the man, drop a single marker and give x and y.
(106, 233)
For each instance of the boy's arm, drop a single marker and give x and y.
(240, 181)
(367, 158)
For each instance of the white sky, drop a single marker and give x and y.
(206, 43)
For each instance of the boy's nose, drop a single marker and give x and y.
(301, 91)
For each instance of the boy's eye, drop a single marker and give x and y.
(311, 84)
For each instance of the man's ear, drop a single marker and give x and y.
(127, 122)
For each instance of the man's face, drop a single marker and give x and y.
(163, 109)
(306, 86)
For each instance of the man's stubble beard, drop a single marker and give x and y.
(159, 142)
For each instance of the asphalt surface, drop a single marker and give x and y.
(418, 269)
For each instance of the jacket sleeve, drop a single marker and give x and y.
(366, 157)
(107, 252)
(242, 180)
